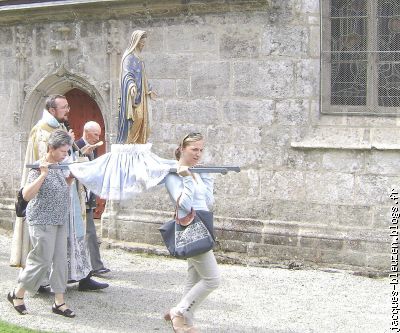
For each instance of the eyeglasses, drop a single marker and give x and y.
(65, 107)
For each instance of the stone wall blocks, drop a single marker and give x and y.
(90, 29)
(6, 36)
(273, 157)
(238, 207)
(238, 224)
(281, 254)
(246, 135)
(314, 44)
(243, 184)
(335, 137)
(319, 119)
(282, 11)
(182, 88)
(219, 134)
(383, 248)
(273, 252)
(309, 6)
(202, 111)
(209, 79)
(280, 135)
(280, 240)
(164, 87)
(158, 112)
(164, 131)
(292, 112)
(355, 245)
(263, 79)
(244, 237)
(240, 43)
(250, 112)
(193, 38)
(5, 223)
(289, 185)
(155, 40)
(329, 187)
(154, 199)
(165, 150)
(289, 42)
(349, 258)
(374, 189)
(382, 217)
(383, 163)
(314, 20)
(307, 77)
(381, 262)
(322, 243)
(382, 123)
(343, 161)
(183, 129)
(167, 66)
(304, 212)
(266, 186)
(303, 160)
(231, 245)
(243, 155)
(282, 228)
(354, 215)
(213, 154)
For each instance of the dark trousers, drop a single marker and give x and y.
(92, 243)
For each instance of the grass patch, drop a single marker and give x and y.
(10, 328)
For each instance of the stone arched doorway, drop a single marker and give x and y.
(83, 95)
(83, 109)
(59, 82)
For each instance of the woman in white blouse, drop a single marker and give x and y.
(192, 191)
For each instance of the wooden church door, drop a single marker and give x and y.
(84, 109)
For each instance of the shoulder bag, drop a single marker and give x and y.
(188, 240)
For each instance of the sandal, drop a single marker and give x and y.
(21, 309)
(177, 321)
(66, 313)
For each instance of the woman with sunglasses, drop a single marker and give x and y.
(192, 191)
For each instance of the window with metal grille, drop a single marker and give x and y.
(360, 57)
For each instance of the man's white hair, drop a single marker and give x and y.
(91, 125)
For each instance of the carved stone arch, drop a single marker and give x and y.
(58, 83)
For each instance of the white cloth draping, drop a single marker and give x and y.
(127, 170)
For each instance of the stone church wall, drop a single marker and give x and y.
(246, 74)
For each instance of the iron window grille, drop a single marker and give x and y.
(360, 57)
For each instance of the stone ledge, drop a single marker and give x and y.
(344, 146)
(350, 138)
(106, 9)
(258, 226)
(231, 258)
(262, 242)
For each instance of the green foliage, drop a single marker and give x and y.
(10, 328)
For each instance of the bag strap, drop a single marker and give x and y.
(186, 220)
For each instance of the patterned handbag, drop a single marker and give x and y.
(185, 241)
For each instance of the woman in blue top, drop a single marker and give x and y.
(192, 191)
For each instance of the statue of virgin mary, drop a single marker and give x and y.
(135, 110)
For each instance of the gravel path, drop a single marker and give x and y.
(250, 299)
